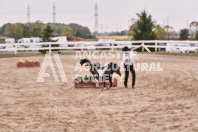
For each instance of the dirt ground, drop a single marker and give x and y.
(161, 101)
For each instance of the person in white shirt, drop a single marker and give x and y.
(128, 60)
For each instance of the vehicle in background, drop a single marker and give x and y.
(104, 45)
(10, 41)
(10, 48)
(63, 45)
(29, 40)
(79, 46)
(70, 45)
(89, 46)
(114, 44)
(35, 40)
(193, 45)
(24, 40)
(61, 39)
(162, 44)
(180, 48)
(20, 47)
(2, 47)
(34, 47)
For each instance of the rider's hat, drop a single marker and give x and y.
(126, 49)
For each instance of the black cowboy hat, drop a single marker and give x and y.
(126, 48)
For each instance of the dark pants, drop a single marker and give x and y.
(128, 68)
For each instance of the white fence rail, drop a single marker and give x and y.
(82, 45)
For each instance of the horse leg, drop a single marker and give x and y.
(110, 81)
(96, 80)
(104, 84)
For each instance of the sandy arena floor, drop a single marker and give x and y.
(161, 101)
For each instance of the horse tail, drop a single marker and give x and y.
(83, 61)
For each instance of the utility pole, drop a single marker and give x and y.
(28, 13)
(54, 13)
(96, 19)
(28, 20)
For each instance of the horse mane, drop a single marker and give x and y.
(84, 61)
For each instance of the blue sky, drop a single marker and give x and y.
(114, 15)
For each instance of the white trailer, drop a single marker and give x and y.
(24, 40)
(35, 40)
(10, 41)
(61, 39)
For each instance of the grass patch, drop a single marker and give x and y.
(2, 40)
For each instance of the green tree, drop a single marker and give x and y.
(80, 31)
(160, 32)
(20, 30)
(10, 31)
(36, 32)
(3, 28)
(14, 30)
(184, 33)
(57, 27)
(47, 34)
(171, 33)
(132, 28)
(194, 27)
(47, 37)
(196, 36)
(68, 31)
(37, 28)
(26, 31)
(143, 27)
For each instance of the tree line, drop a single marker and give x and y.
(142, 28)
(24, 30)
(121, 33)
(145, 28)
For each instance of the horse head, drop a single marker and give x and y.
(85, 61)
